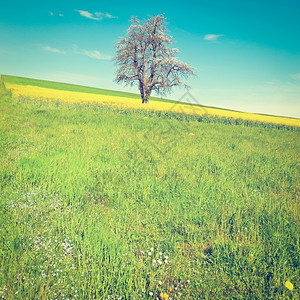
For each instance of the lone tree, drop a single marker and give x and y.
(145, 58)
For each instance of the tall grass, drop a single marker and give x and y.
(96, 204)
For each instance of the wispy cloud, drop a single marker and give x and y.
(98, 16)
(109, 16)
(295, 76)
(87, 14)
(52, 14)
(272, 82)
(54, 50)
(92, 53)
(212, 37)
(96, 54)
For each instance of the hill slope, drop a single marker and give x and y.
(71, 87)
(53, 91)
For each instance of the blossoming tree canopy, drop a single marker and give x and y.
(144, 57)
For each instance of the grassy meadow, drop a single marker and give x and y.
(102, 202)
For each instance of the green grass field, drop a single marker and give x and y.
(96, 203)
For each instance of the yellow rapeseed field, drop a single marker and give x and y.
(40, 93)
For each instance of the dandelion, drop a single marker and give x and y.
(289, 285)
(191, 133)
(164, 296)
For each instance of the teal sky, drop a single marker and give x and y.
(246, 53)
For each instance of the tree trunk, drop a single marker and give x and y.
(145, 98)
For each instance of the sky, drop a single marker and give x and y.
(246, 53)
